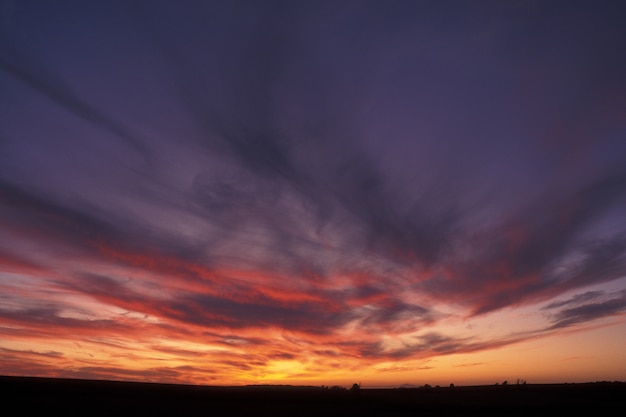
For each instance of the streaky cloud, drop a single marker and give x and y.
(46, 84)
(612, 304)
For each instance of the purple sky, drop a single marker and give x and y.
(325, 163)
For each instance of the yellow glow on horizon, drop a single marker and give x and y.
(542, 360)
(508, 345)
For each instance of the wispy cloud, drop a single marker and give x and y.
(587, 307)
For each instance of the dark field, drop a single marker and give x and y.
(63, 397)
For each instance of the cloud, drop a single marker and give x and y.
(526, 257)
(31, 352)
(584, 310)
(575, 300)
(44, 82)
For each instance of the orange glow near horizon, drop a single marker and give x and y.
(552, 359)
(140, 335)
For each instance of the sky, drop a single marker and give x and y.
(394, 193)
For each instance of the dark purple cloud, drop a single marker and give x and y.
(587, 307)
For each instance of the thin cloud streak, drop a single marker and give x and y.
(605, 306)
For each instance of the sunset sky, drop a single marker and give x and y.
(313, 192)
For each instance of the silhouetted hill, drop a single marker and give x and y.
(32, 396)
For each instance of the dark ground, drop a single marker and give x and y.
(64, 397)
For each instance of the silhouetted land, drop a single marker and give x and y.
(64, 397)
